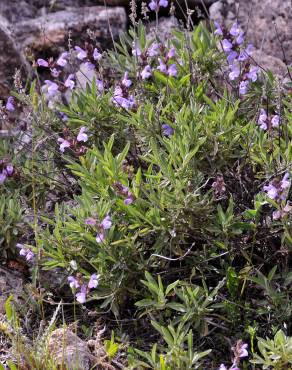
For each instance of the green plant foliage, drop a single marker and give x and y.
(164, 199)
(11, 224)
(275, 353)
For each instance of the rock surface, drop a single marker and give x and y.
(68, 350)
(11, 282)
(268, 23)
(30, 29)
(10, 58)
(51, 31)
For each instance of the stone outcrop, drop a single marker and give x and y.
(40, 28)
(69, 351)
(51, 31)
(10, 58)
(268, 24)
(11, 282)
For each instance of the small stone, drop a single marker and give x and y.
(69, 351)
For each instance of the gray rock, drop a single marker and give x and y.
(258, 19)
(17, 10)
(10, 58)
(69, 351)
(11, 282)
(165, 27)
(50, 32)
(269, 62)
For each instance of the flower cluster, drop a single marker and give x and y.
(147, 64)
(237, 56)
(167, 130)
(265, 122)
(25, 252)
(219, 185)
(73, 143)
(121, 96)
(80, 288)
(54, 66)
(6, 170)
(239, 351)
(10, 104)
(124, 192)
(156, 4)
(89, 55)
(278, 191)
(105, 224)
(52, 89)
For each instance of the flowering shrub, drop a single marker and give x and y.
(175, 159)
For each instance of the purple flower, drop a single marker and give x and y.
(121, 101)
(275, 120)
(234, 30)
(231, 57)
(82, 136)
(9, 170)
(243, 350)
(278, 189)
(90, 221)
(222, 367)
(277, 215)
(162, 66)
(64, 144)
(74, 284)
(93, 282)
(2, 177)
(167, 130)
(226, 45)
(253, 73)
(70, 82)
(218, 31)
(63, 116)
(96, 54)
(171, 53)
(124, 102)
(285, 183)
(89, 66)
(262, 120)
(52, 88)
(100, 237)
(126, 81)
(243, 87)
(136, 51)
(81, 53)
(154, 4)
(10, 104)
(240, 38)
(99, 85)
(234, 71)
(55, 72)
(244, 55)
(172, 70)
(153, 49)
(81, 296)
(271, 190)
(106, 223)
(129, 200)
(42, 63)
(25, 252)
(29, 255)
(62, 61)
(146, 72)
